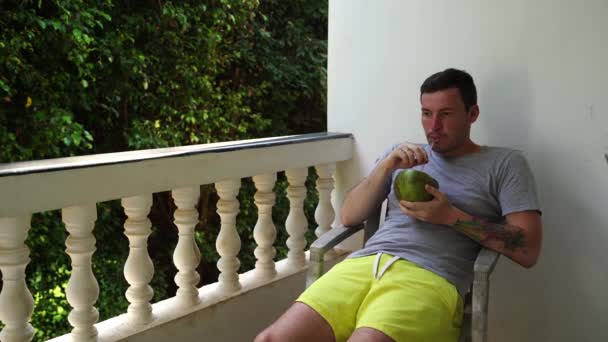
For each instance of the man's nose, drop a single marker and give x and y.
(436, 124)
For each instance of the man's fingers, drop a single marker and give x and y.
(412, 209)
(411, 155)
(407, 160)
(411, 206)
(405, 209)
(407, 155)
(421, 156)
(432, 190)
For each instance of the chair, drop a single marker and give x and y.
(475, 320)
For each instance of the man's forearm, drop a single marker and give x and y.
(521, 245)
(498, 235)
(366, 196)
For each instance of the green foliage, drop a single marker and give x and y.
(81, 77)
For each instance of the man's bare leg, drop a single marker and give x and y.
(299, 323)
(369, 335)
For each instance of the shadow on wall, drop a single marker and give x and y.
(506, 108)
(572, 267)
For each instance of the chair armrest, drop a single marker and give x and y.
(323, 244)
(486, 261)
(484, 265)
(333, 237)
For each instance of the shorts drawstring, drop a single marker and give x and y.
(384, 268)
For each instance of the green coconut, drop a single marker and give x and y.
(409, 186)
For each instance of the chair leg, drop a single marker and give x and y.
(465, 331)
(481, 288)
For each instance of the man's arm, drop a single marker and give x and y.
(369, 194)
(519, 238)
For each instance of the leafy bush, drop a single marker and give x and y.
(81, 77)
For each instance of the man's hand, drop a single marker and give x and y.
(436, 211)
(406, 156)
(519, 239)
(369, 194)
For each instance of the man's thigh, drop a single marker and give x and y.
(409, 303)
(299, 323)
(369, 335)
(337, 295)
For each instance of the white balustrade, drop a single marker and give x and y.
(264, 231)
(296, 223)
(228, 241)
(324, 213)
(16, 302)
(186, 256)
(76, 181)
(82, 290)
(139, 269)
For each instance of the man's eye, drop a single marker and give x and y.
(426, 114)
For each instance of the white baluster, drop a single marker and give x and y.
(324, 213)
(228, 242)
(264, 231)
(139, 269)
(296, 223)
(186, 256)
(82, 290)
(16, 302)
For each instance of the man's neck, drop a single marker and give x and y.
(467, 148)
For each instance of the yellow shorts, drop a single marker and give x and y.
(406, 302)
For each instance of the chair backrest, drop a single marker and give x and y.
(372, 223)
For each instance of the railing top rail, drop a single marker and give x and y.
(30, 187)
(68, 163)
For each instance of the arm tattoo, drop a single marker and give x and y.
(511, 236)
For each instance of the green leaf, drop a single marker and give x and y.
(4, 87)
(105, 16)
(76, 138)
(76, 33)
(56, 25)
(88, 136)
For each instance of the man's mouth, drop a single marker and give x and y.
(434, 137)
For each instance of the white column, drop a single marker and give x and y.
(16, 302)
(82, 290)
(296, 223)
(264, 231)
(186, 256)
(324, 213)
(139, 269)
(228, 241)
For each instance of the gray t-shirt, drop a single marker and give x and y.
(488, 184)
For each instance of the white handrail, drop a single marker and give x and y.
(30, 187)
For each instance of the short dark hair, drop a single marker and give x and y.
(452, 78)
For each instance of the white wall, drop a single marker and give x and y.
(542, 76)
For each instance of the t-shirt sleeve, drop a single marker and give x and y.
(517, 187)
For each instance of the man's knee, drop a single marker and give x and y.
(267, 335)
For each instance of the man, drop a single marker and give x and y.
(407, 283)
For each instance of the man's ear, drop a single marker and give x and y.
(473, 113)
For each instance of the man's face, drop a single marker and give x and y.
(446, 122)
